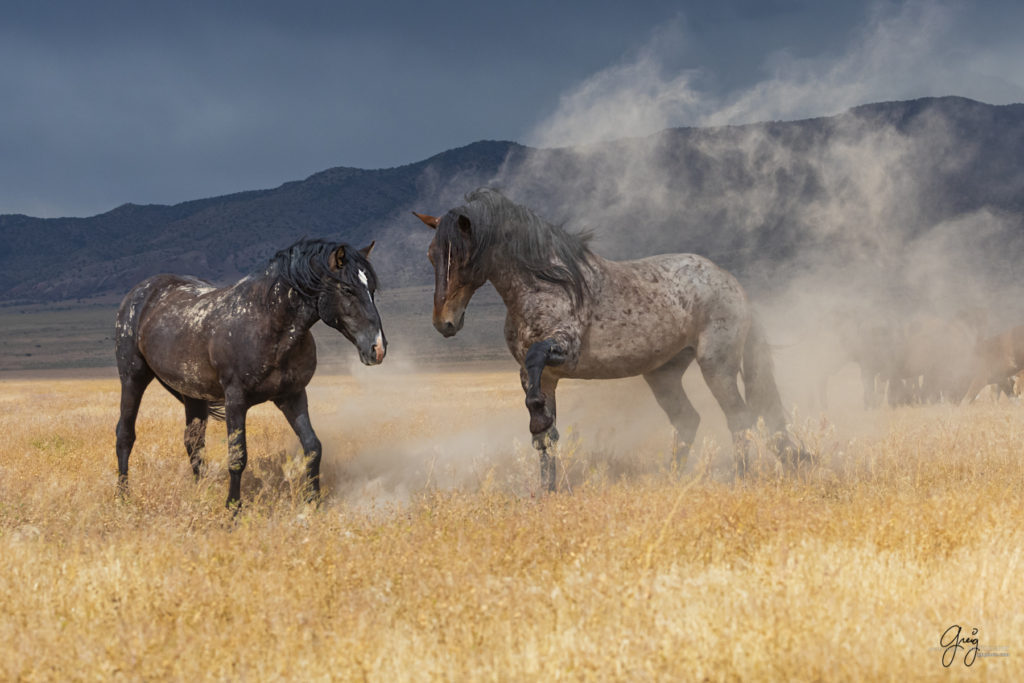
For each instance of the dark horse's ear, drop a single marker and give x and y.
(429, 220)
(464, 225)
(365, 251)
(337, 258)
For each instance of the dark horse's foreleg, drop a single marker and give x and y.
(235, 410)
(296, 411)
(133, 383)
(667, 384)
(197, 411)
(540, 401)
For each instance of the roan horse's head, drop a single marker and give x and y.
(455, 280)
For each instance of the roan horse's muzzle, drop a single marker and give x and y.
(448, 328)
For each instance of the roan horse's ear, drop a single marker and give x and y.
(464, 224)
(429, 220)
(337, 258)
(365, 251)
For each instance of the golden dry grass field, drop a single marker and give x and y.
(434, 557)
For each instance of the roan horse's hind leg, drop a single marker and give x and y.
(296, 411)
(196, 413)
(667, 384)
(721, 380)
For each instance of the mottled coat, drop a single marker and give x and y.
(571, 313)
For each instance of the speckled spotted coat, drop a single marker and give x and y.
(571, 313)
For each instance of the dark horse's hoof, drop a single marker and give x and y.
(234, 506)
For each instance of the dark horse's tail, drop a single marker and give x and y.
(216, 407)
(762, 393)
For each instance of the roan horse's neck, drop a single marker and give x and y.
(518, 287)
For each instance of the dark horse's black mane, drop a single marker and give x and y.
(546, 251)
(304, 266)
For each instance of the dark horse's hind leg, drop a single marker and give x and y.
(135, 377)
(196, 413)
(296, 411)
(667, 384)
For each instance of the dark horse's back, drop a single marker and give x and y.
(136, 302)
(135, 311)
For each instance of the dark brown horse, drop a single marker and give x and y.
(243, 345)
(571, 313)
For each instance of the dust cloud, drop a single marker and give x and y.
(389, 435)
(844, 231)
(848, 232)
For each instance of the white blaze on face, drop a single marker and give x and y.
(366, 283)
(378, 343)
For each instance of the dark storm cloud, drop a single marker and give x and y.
(111, 102)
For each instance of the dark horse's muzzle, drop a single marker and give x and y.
(372, 351)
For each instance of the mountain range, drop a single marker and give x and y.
(922, 197)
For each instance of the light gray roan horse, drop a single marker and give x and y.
(571, 313)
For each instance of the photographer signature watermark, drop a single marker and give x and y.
(960, 644)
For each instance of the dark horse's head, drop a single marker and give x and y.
(340, 282)
(455, 278)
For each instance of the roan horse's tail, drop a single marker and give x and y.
(762, 394)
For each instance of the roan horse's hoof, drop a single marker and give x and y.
(540, 422)
(540, 419)
(545, 439)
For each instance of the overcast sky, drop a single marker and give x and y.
(103, 103)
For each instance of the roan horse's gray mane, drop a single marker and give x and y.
(503, 229)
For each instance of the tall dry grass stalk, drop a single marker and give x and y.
(852, 571)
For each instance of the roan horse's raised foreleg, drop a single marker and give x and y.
(540, 401)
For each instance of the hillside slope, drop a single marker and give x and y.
(900, 192)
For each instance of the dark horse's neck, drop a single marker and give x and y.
(288, 307)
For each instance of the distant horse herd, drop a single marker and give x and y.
(570, 314)
(924, 358)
